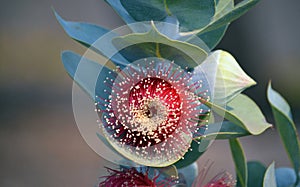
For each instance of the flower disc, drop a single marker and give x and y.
(153, 111)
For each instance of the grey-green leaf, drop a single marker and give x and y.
(192, 14)
(153, 44)
(118, 7)
(239, 161)
(213, 37)
(285, 177)
(286, 127)
(145, 10)
(86, 74)
(189, 173)
(87, 34)
(197, 149)
(256, 171)
(243, 112)
(223, 7)
(84, 33)
(269, 179)
(238, 10)
(226, 130)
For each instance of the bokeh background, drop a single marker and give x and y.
(40, 144)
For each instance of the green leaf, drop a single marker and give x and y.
(285, 177)
(118, 7)
(286, 127)
(192, 14)
(269, 179)
(212, 38)
(87, 34)
(256, 171)
(84, 33)
(225, 75)
(229, 16)
(189, 173)
(86, 74)
(145, 10)
(153, 44)
(169, 26)
(223, 7)
(196, 150)
(226, 130)
(239, 161)
(243, 112)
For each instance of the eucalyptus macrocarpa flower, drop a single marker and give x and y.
(138, 177)
(127, 177)
(222, 179)
(153, 111)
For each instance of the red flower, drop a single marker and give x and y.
(153, 111)
(131, 177)
(223, 179)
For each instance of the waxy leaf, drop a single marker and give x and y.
(256, 172)
(87, 34)
(285, 177)
(189, 173)
(223, 7)
(192, 14)
(153, 44)
(228, 16)
(226, 76)
(168, 26)
(269, 179)
(145, 10)
(243, 112)
(196, 150)
(226, 130)
(239, 161)
(118, 7)
(286, 127)
(212, 38)
(84, 33)
(86, 74)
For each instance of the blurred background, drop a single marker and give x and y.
(40, 144)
